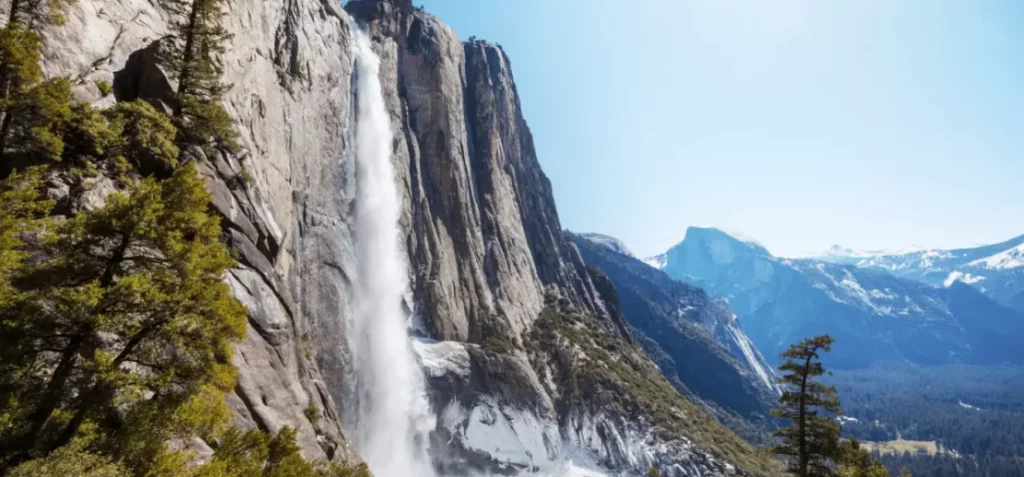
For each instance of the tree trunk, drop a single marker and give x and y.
(13, 16)
(187, 57)
(55, 388)
(5, 127)
(802, 435)
(101, 391)
(5, 86)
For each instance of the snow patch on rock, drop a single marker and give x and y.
(657, 261)
(1012, 258)
(609, 242)
(959, 276)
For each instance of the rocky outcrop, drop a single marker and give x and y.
(486, 249)
(694, 338)
(288, 68)
(488, 255)
(483, 233)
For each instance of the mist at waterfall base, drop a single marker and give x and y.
(389, 412)
(393, 417)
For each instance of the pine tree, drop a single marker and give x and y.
(197, 37)
(145, 137)
(31, 109)
(855, 461)
(21, 205)
(810, 442)
(128, 314)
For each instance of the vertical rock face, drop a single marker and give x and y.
(488, 254)
(486, 249)
(289, 68)
(680, 326)
(484, 236)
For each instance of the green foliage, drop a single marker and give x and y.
(593, 366)
(897, 400)
(32, 109)
(854, 461)
(106, 89)
(653, 472)
(244, 176)
(117, 325)
(208, 125)
(87, 137)
(146, 135)
(129, 314)
(494, 334)
(343, 470)
(37, 117)
(312, 413)
(810, 442)
(20, 207)
(37, 12)
(19, 61)
(74, 459)
(190, 51)
(255, 453)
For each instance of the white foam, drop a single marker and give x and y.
(392, 415)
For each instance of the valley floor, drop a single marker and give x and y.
(948, 421)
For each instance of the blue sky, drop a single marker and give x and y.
(803, 123)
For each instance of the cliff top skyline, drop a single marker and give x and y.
(805, 124)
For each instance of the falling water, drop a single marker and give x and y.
(393, 418)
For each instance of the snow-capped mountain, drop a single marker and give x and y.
(608, 241)
(996, 270)
(874, 313)
(849, 256)
(679, 325)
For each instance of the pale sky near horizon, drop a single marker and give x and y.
(802, 123)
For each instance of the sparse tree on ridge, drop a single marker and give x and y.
(810, 443)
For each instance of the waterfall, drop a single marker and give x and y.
(392, 416)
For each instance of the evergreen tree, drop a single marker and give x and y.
(854, 461)
(810, 442)
(128, 314)
(145, 137)
(31, 109)
(21, 205)
(197, 37)
(117, 326)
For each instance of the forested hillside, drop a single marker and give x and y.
(975, 415)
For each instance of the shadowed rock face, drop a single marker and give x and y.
(486, 250)
(483, 233)
(693, 337)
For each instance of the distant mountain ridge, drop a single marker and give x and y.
(693, 337)
(996, 270)
(874, 312)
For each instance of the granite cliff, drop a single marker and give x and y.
(486, 250)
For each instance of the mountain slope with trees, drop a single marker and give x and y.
(680, 326)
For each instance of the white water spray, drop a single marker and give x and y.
(393, 417)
